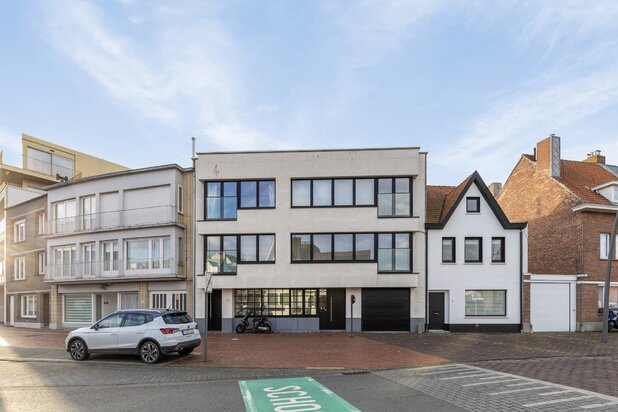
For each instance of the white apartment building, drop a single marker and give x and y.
(118, 241)
(295, 234)
(475, 262)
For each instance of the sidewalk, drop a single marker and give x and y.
(273, 351)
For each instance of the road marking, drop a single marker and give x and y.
(290, 395)
(465, 376)
(554, 393)
(522, 384)
(599, 405)
(530, 405)
(519, 390)
(445, 371)
(497, 376)
(489, 382)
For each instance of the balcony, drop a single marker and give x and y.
(51, 169)
(114, 270)
(118, 219)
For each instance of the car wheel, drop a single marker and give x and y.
(150, 352)
(185, 352)
(240, 328)
(78, 350)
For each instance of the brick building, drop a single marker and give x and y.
(570, 208)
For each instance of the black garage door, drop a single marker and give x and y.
(386, 309)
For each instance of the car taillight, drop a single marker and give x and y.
(169, 331)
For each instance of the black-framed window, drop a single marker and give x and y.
(333, 247)
(394, 197)
(276, 302)
(473, 204)
(497, 249)
(364, 247)
(473, 250)
(485, 303)
(257, 248)
(448, 250)
(394, 252)
(224, 198)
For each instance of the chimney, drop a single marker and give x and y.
(548, 155)
(595, 157)
(495, 188)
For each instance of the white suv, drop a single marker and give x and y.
(149, 333)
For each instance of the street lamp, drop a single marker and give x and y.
(608, 272)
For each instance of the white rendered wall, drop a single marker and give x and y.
(456, 278)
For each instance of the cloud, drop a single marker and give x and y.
(187, 76)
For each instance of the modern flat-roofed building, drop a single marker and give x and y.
(295, 234)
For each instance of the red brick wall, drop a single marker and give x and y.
(588, 303)
(594, 225)
(554, 231)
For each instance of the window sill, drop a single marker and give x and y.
(18, 280)
(473, 263)
(28, 317)
(398, 273)
(19, 241)
(486, 317)
(253, 262)
(449, 263)
(498, 263)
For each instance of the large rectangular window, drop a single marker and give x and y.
(604, 246)
(394, 197)
(497, 249)
(473, 250)
(19, 268)
(168, 300)
(110, 256)
(88, 212)
(394, 252)
(64, 216)
(63, 261)
(28, 306)
(448, 250)
(221, 254)
(146, 254)
(613, 296)
(19, 231)
(485, 302)
(257, 248)
(77, 308)
(275, 302)
(223, 199)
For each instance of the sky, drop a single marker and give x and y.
(473, 83)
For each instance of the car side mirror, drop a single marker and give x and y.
(96, 326)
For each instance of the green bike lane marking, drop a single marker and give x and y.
(291, 395)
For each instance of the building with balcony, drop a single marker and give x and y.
(118, 241)
(316, 240)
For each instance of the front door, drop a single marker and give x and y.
(436, 310)
(45, 308)
(214, 310)
(331, 306)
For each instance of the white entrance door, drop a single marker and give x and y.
(12, 310)
(550, 307)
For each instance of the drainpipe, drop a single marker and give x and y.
(426, 281)
(521, 280)
(194, 224)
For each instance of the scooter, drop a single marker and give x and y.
(613, 319)
(260, 325)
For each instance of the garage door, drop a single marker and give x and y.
(550, 307)
(386, 309)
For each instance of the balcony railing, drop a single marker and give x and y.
(113, 270)
(51, 169)
(118, 219)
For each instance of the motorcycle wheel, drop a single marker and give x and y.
(240, 328)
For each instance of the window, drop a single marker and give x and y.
(88, 259)
(110, 256)
(473, 250)
(275, 302)
(344, 247)
(28, 306)
(448, 250)
(112, 321)
(337, 247)
(485, 302)
(473, 204)
(344, 192)
(171, 300)
(180, 200)
(257, 194)
(497, 249)
(221, 254)
(40, 219)
(364, 246)
(301, 248)
(394, 252)
(129, 301)
(613, 296)
(136, 319)
(77, 308)
(41, 263)
(63, 261)
(322, 247)
(87, 209)
(221, 200)
(145, 254)
(604, 246)
(49, 163)
(257, 248)
(394, 197)
(64, 216)
(19, 231)
(19, 268)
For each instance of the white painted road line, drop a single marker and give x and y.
(531, 405)
(489, 382)
(599, 405)
(497, 376)
(445, 371)
(538, 388)
(522, 384)
(554, 393)
(465, 376)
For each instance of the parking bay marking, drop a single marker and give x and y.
(291, 395)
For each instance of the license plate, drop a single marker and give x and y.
(187, 331)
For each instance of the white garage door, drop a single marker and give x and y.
(550, 307)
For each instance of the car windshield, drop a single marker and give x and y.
(177, 318)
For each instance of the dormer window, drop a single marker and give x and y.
(608, 190)
(473, 205)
